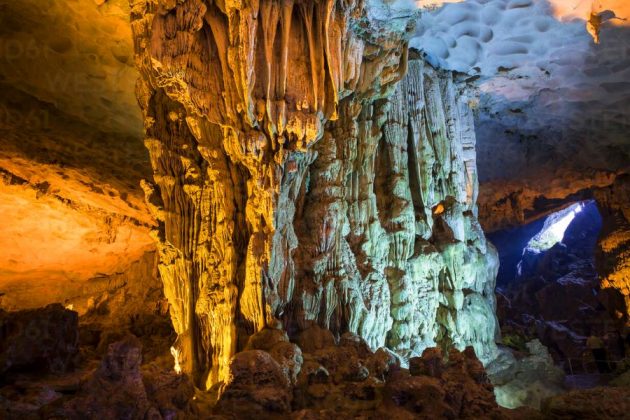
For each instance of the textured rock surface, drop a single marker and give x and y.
(347, 379)
(330, 380)
(613, 262)
(256, 386)
(449, 275)
(307, 195)
(75, 228)
(117, 388)
(43, 340)
(344, 379)
(525, 380)
(74, 225)
(547, 90)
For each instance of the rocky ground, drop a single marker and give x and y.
(79, 374)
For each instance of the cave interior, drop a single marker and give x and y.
(314, 209)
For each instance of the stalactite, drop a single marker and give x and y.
(232, 111)
(299, 181)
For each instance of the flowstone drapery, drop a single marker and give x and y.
(297, 182)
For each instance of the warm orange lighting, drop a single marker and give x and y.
(595, 12)
(59, 231)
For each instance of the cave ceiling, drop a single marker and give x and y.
(553, 115)
(75, 54)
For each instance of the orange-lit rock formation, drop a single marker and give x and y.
(75, 229)
(74, 225)
(614, 247)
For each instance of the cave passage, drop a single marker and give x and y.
(549, 288)
(576, 227)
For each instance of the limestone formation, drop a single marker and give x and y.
(297, 182)
(527, 380)
(442, 291)
(613, 262)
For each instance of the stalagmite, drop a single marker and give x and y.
(298, 181)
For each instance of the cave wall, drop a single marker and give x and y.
(613, 254)
(75, 228)
(74, 223)
(296, 182)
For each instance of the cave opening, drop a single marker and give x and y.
(549, 289)
(576, 228)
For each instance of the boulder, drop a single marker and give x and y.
(120, 389)
(596, 403)
(44, 340)
(315, 338)
(526, 380)
(266, 338)
(275, 341)
(257, 386)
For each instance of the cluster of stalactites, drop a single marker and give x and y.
(234, 95)
(271, 66)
